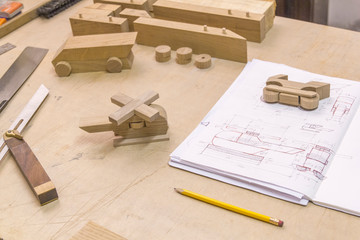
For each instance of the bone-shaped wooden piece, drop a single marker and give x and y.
(131, 107)
(306, 95)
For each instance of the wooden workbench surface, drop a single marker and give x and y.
(129, 189)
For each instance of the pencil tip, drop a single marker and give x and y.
(179, 190)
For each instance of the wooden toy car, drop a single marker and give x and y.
(306, 95)
(92, 53)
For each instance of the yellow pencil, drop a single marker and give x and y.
(230, 207)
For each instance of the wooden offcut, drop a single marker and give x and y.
(112, 9)
(135, 4)
(132, 15)
(213, 41)
(93, 231)
(306, 95)
(91, 24)
(249, 25)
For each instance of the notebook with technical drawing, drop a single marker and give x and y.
(280, 150)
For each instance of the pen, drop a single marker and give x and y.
(230, 207)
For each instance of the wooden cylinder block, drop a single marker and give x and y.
(63, 69)
(114, 65)
(203, 61)
(162, 53)
(183, 55)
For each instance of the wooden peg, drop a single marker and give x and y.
(110, 19)
(203, 61)
(162, 53)
(229, 12)
(247, 14)
(80, 15)
(183, 55)
(224, 30)
(205, 28)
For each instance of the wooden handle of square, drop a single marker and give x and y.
(32, 170)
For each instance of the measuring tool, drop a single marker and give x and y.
(18, 72)
(6, 47)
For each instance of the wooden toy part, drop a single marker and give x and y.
(138, 106)
(183, 55)
(135, 4)
(306, 95)
(89, 24)
(90, 53)
(203, 61)
(132, 15)
(139, 120)
(154, 32)
(113, 9)
(162, 53)
(252, 27)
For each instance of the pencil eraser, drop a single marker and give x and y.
(281, 223)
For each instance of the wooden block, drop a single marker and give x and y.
(249, 25)
(93, 231)
(162, 53)
(32, 170)
(306, 95)
(96, 124)
(93, 52)
(203, 61)
(132, 15)
(114, 9)
(138, 106)
(263, 7)
(95, 12)
(131, 141)
(89, 24)
(183, 55)
(135, 4)
(213, 41)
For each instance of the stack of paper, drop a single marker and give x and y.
(279, 150)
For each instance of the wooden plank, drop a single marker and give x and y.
(26, 16)
(249, 25)
(93, 231)
(212, 41)
(136, 4)
(132, 15)
(113, 8)
(89, 24)
(264, 7)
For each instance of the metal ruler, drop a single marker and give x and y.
(25, 115)
(18, 72)
(6, 47)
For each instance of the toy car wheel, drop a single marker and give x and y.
(270, 96)
(309, 103)
(63, 69)
(114, 65)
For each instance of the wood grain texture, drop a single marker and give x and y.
(135, 4)
(93, 231)
(251, 27)
(89, 24)
(114, 9)
(32, 170)
(213, 41)
(132, 15)
(129, 190)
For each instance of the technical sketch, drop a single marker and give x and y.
(248, 145)
(312, 127)
(316, 160)
(341, 107)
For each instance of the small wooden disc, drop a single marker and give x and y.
(63, 69)
(183, 55)
(114, 65)
(203, 61)
(162, 53)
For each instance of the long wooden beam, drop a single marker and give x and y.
(217, 42)
(249, 25)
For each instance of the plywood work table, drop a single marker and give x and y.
(129, 189)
